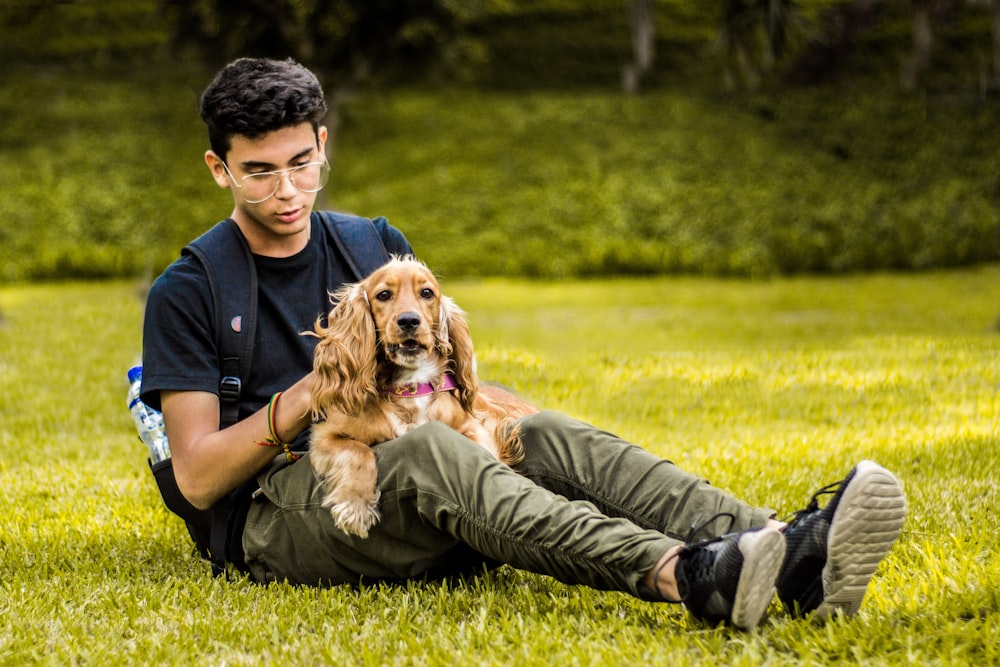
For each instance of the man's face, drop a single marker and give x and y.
(279, 225)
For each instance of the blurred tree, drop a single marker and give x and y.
(345, 42)
(642, 30)
(753, 36)
(79, 34)
(839, 27)
(916, 62)
(990, 77)
(931, 16)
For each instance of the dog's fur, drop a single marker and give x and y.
(392, 328)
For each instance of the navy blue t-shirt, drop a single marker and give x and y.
(179, 348)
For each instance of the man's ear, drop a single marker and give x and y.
(218, 170)
(321, 135)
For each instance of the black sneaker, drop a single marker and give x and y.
(731, 578)
(832, 552)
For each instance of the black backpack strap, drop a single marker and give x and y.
(234, 301)
(365, 243)
(232, 280)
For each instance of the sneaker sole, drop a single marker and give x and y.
(866, 523)
(763, 552)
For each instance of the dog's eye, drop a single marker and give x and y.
(427, 293)
(384, 295)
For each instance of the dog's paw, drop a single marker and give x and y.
(403, 429)
(356, 516)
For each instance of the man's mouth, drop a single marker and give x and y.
(290, 216)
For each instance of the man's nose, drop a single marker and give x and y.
(286, 188)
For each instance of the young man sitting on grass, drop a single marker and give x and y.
(585, 507)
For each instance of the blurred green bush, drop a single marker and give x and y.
(106, 178)
(590, 183)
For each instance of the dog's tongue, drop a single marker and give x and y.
(410, 345)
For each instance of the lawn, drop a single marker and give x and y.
(771, 389)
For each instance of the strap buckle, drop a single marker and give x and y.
(230, 388)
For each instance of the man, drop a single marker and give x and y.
(584, 507)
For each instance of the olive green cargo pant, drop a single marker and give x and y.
(585, 507)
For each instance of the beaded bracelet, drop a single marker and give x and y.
(273, 440)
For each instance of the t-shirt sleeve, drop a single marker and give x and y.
(178, 344)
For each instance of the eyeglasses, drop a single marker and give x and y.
(261, 186)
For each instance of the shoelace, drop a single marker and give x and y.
(702, 560)
(698, 527)
(813, 506)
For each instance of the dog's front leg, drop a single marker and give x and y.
(350, 476)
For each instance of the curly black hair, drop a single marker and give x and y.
(253, 96)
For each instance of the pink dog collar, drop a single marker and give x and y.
(415, 389)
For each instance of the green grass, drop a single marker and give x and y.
(769, 388)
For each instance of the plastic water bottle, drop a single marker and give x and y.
(148, 422)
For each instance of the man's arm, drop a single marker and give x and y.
(209, 463)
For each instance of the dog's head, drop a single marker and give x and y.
(407, 308)
(396, 315)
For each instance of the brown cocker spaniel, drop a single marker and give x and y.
(396, 353)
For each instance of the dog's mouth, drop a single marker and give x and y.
(408, 347)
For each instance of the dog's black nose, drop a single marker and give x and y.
(408, 321)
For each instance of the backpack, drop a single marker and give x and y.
(364, 243)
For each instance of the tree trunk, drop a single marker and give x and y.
(917, 62)
(751, 75)
(641, 29)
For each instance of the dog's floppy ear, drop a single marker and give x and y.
(344, 360)
(455, 342)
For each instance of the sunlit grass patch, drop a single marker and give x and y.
(769, 389)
